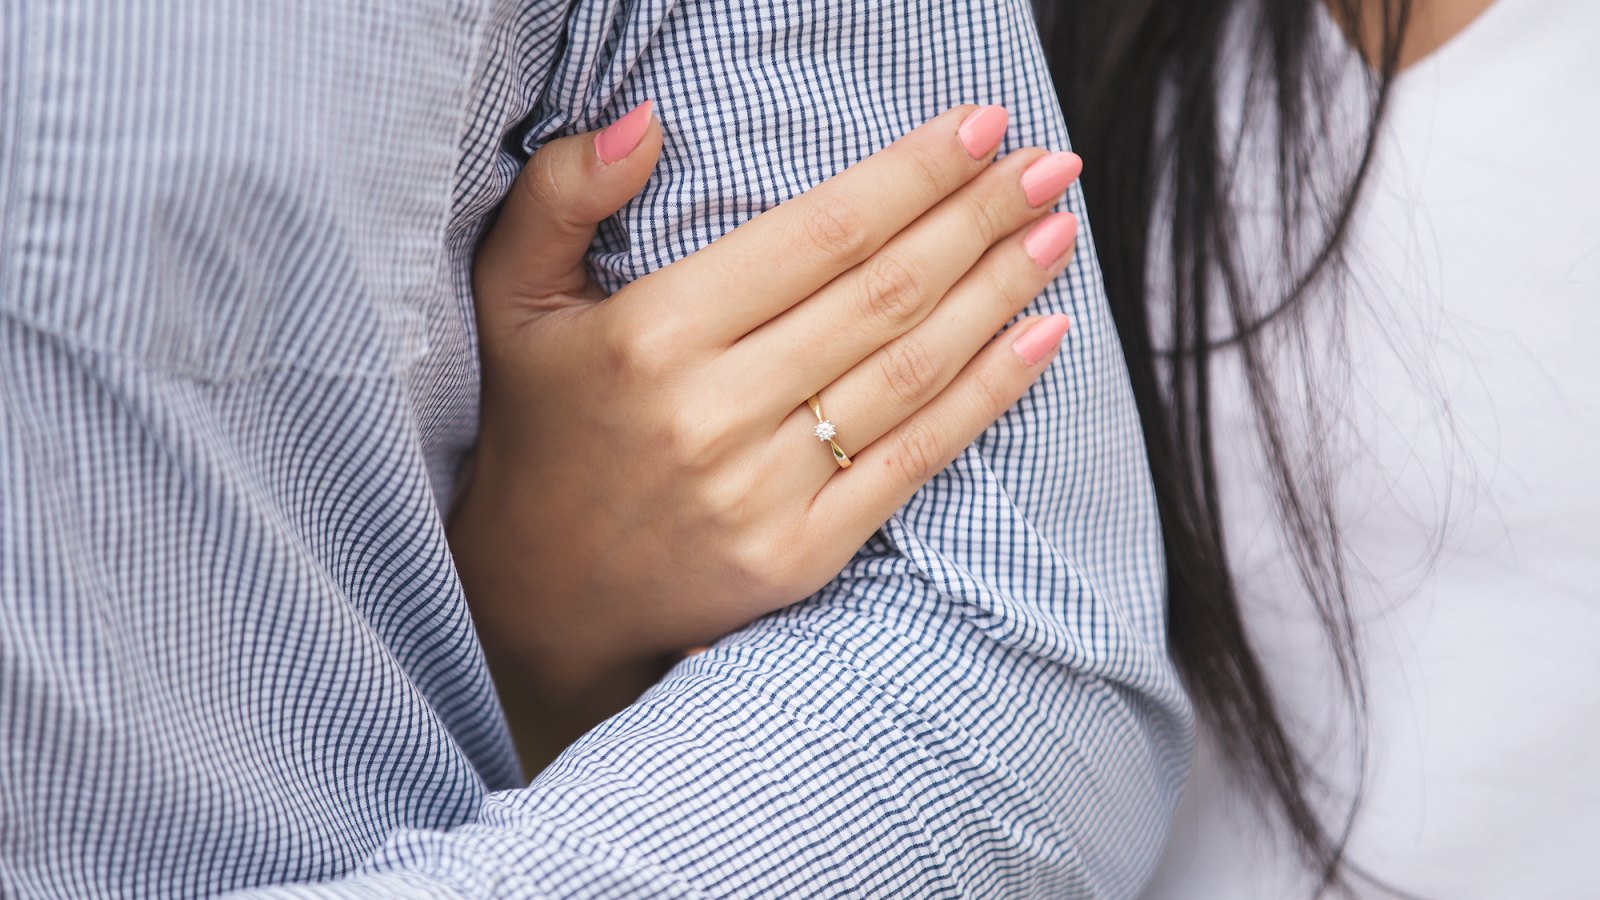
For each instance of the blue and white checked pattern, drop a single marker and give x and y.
(237, 378)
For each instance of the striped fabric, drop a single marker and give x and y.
(237, 377)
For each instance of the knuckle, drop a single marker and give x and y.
(890, 291)
(691, 440)
(990, 218)
(917, 453)
(992, 392)
(543, 188)
(615, 343)
(538, 181)
(927, 168)
(774, 566)
(644, 350)
(748, 559)
(1009, 284)
(836, 229)
(723, 499)
(908, 369)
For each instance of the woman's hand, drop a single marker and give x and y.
(648, 474)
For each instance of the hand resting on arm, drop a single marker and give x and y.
(980, 704)
(648, 477)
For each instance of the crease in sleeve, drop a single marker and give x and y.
(738, 779)
(1005, 633)
(603, 42)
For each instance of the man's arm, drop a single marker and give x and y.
(980, 704)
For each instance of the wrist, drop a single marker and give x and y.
(557, 666)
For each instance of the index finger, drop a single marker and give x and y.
(789, 252)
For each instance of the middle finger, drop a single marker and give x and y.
(855, 316)
(875, 397)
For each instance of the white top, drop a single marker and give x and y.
(1462, 414)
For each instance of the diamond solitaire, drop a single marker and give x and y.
(825, 432)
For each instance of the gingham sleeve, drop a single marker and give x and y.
(980, 704)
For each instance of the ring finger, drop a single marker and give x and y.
(875, 396)
(881, 300)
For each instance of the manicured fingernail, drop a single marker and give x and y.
(1042, 339)
(617, 140)
(1050, 238)
(982, 130)
(1048, 177)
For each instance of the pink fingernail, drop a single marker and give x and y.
(1042, 339)
(617, 140)
(1050, 238)
(1047, 178)
(981, 131)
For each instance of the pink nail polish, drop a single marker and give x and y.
(619, 139)
(982, 130)
(1048, 177)
(1050, 238)
(1042, 339)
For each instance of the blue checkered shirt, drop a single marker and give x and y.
(237, 380)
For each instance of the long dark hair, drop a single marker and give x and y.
(1139, 83)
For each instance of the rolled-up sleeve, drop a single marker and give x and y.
(980, 705)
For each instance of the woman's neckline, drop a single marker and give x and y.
(1465, 37)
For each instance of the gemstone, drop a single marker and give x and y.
(825, 430)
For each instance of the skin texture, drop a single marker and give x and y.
(1433, 24)
(647, 477)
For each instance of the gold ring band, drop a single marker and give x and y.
(825, 432)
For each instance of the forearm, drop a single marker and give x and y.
(820, 754)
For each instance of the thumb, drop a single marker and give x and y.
(537, 247)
